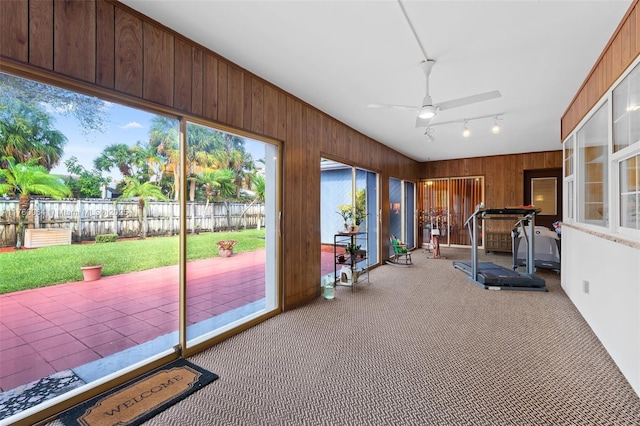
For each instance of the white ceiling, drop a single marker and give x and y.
(340, 56)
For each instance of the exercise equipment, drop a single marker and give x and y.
(495, 277)
(547, 247)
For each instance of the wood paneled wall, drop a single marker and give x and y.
(106, 45)
(620, 52)
(503, 174)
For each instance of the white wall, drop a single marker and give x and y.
(612, 306)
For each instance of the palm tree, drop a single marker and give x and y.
(118, 155)
(26, 179)
(219, 183)
(144, 191)
(259, 185)
(26, 133)
(163, 135)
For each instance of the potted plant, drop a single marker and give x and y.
(345, 212)
(225, 247)
(352, 249)
(357, 220)
(91, 270)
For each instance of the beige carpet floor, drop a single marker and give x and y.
(416, 346)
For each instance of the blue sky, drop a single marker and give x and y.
(122, 125)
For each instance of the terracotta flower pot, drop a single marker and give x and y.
(222, 252)
(91, 273)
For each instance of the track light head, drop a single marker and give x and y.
(496, 127)
(428, 135)
(465, 131)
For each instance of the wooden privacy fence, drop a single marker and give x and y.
(91, 217)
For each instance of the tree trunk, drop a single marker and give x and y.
(192, 190)
(23, 206)
(143, 229)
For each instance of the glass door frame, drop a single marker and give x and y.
(52, 407)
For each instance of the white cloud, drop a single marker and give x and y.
(132, 125)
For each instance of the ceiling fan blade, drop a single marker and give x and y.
(455, 103)
(412, 108)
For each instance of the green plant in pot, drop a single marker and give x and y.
(352, 249)
(345, 212)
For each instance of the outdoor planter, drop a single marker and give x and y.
(91, 272)
(225, 247)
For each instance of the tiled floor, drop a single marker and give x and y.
(47, 330)
(51, 329)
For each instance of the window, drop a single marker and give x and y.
(630, 193)
(593, 159)
(626, 111)
(569, 179)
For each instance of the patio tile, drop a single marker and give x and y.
(115, 313)
(72, 326)
(52, 342)
(15, 355)
(102, 338)
(47, 307)
(62, 351)
(106, 316)
(21, 319)
(114, 346)
(76, 359)
(146, 335)
(38, 335)
(11, 342)
(149, 313)
(89, 330)
(35, 371)
(132, 308)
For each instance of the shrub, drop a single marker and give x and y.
(106, 238)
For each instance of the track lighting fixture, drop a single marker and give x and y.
(428, 134)
(496, 127)
(465, 131)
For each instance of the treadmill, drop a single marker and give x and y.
(495, 277)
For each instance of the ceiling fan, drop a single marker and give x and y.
(428, 110)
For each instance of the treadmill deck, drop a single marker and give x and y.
(496, 277)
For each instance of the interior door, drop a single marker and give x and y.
(543, 189)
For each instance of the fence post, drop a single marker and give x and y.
(115, 217)
(36, 216)
(79, 221)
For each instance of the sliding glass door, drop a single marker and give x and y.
(180, 216)
(349, 197)
(231, 189)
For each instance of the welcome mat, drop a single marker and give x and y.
(138, 401)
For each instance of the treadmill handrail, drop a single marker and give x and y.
(478, 208)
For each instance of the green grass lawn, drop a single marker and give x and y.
(46, 266)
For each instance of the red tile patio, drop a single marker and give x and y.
(50, 329)
(46, 330)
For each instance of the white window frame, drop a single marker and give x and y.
(569, 203)
(579, 187)
(616, 158)
(613, 222)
